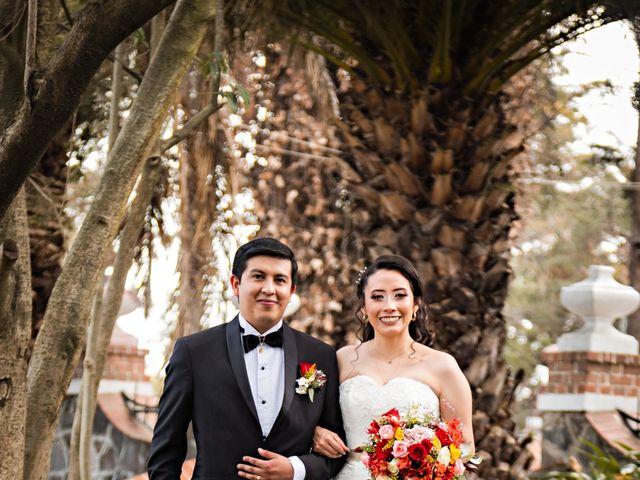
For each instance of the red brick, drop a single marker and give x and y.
(604, 389)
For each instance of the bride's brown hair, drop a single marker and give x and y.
(419, 329)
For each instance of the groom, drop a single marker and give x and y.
(237, 384)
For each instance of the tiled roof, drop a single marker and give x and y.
(611, 427)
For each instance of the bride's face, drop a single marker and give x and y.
(389, 303)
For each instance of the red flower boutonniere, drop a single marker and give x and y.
(312, 378)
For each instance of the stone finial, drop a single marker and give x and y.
(599, 300)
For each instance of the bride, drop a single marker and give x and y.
(394, 366)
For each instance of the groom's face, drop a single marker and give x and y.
(264, 290)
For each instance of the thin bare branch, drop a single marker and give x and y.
(30, 50)
(67, 13)
(116, 93)
(191, 125)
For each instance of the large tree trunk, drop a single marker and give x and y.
(436, 191)
(15, 332)
(15, 275)
(60, 341)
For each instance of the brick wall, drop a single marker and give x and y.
(125, 362)
(592, 372)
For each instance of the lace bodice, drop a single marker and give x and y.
(362, 400)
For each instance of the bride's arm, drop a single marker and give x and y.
(328, 443)
(455, 396)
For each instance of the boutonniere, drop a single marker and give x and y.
(312, 378)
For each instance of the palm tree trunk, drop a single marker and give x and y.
(203, 162)
(424, 176)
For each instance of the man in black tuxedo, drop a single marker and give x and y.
(237, 384)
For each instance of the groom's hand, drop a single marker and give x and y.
(275, 467)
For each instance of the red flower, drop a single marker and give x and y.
(444, 437)
(381, 453)
(306, 367)
(374, 428)
(392, 413)
(417, 452)
(426, 443)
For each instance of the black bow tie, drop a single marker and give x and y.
(274, 339)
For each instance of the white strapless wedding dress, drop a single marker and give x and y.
(362, 400)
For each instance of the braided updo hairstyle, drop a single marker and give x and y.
(419, 329)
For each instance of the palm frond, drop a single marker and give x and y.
(407, 45)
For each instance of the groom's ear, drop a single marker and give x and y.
(235, 285)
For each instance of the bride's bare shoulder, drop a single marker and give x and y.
(347, 353)
(439, 361)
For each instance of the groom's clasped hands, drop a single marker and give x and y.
(272, 466)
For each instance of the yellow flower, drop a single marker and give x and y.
(455, 453)
(399, 434)
(436, 443)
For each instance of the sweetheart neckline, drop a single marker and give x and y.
(383, 385)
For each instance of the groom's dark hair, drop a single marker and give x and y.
(268, 247)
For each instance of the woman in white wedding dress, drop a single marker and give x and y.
(393, 366)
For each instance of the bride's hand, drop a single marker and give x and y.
(328, 443)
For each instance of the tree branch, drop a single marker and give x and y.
(67, 13)
(186, 130)
(98, 29)
(30, 50)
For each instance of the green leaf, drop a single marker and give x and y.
(240, 90)
(232, 102)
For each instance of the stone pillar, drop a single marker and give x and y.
(593, 369)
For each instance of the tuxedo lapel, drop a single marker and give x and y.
(236, 358)
(290, 371)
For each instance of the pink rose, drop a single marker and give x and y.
(364, 458)
(400, 449)
(458, 468)
(387, 432)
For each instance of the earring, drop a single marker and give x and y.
(365, 318)
(413, 317)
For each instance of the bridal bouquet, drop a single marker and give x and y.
(414, 445)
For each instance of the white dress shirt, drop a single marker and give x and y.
(265, 369)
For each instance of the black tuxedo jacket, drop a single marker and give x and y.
(207, 384)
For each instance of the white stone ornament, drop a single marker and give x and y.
(599, 300)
